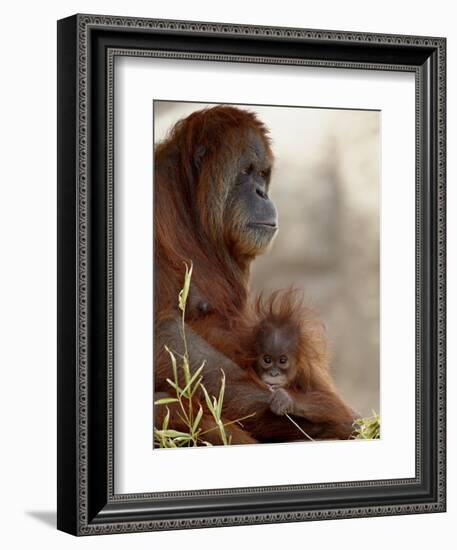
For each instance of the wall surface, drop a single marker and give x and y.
(28, 274)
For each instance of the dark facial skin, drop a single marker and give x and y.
(275, 364)
(250, 212)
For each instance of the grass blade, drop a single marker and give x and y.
(166, 400)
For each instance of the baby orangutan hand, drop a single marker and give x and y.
(281, 402)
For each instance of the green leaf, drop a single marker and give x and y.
(186, 437)
(186, 369)
(191, 380)
(173, 363)
(196, 386)
(172, 433)
(166, 400)
(166, 420)
(198, 417)
(175, 386)
(367, 428)
(207, 399)
(196, 373)
(221, 395)
(184, 293)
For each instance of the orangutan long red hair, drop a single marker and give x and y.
(285, 345)
(212, 208)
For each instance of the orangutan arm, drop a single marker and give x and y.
(244, 396)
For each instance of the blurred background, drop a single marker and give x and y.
(326, 185)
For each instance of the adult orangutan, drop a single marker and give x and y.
(212, 208)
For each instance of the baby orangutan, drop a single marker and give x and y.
(283, 346)
(288, 354)
(277, 365)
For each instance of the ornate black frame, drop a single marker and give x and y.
(87, 45)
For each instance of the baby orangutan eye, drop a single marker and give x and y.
(267, 359)
(246, 170)
(283, 359)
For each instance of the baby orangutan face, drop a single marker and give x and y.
(275, 361)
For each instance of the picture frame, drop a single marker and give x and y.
(87, 501)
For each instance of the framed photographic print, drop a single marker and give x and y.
(251, 274)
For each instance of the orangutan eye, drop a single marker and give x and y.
(267, 359)
(283, 359)
(263, 174)
(247, 170)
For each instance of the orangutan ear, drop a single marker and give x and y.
(198, 156)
